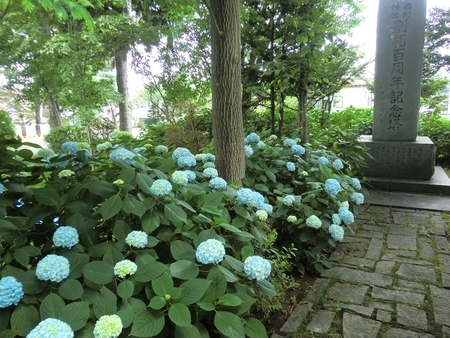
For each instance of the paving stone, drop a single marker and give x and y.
(376, 228)
(440, 231)
(401, 242)
(426, 250)
(406, 284)
(356, 276)
(370, 234)
(384, 267)
(445, 262)
(384, 316)
(437, 219)
(440, 299)
(296, 318)
(374, 249)
(348, 293)
(403, 210)
(394, 230)
(357, 261)
(418, 218)
(423, 231)
(402, 253)
(398, 295)
(377, 209)
(445, 280)
(422, 273)
(317, 290)
(276, 336)
(394, 258)
(360, 309)
(355, 326)
(336, 256)
(410, 316)
(349, 239)
(321, 321)
(399, 217)
(445, 331)
(400, 333)
(382, 306)
(442, 244)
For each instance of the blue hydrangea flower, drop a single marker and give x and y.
(2, 188)
(208, 157)
(179, 177)
(323, 160)
(51, 328)
(252, 138)
(261, 215)
(248, 151)
(186, 161)
(336, 232)
(290, 166)
(73, 147)
(160, 187)
(20, 203)
(355, 183)
(257, 267)
(336, 219)
(210, 173)
(56, 221)
(65, 237)
(297, 149)
(122, 154)
(260, 145)
(267, 208)
(313, 222)
(180, 152)
(139, 150)
(103, 146)
(190, 175)
(53, 268)
(288, 143)
(11, 291)
(332, 186)
(125, 267)
(209, 165)
(346, 216)
(218, 183)
(337, 164)
(210, 251)
(138, 239)
(357, 198)
(46, 153)
(161, 149)
(288, 200)
(108, 326)
(292, 219)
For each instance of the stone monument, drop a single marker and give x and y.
(396, 149)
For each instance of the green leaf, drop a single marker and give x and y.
(267, 288)
(21, 257)
(5, 314)
(229, 324)
(31, 285)
(261, 187)
(193, 290)
(229, 300)
(234, 230)
(149, 272)
(75, 314)
(101, 188)
(259, 234)
(99, 272)
(271, 176)
(234, 263)
(127, 174)
(182, 250)
(150, 221)
(8, 333)
(187, 332)
(175, 213)
(157, 302)
(111, 207)
(125, 289)
(126, 316)
(254, 328)
(47, 196)
(211, 210)
(180, 315)
(121, 230)
(184, 269)
(77, 262)
(51, 306)
(229, 276)
(163, 285)
(105, 303)
(70, 289)
(133, 206)
(24, 319)
(144, 181)
(148, 323)
(213, 199)
(218, 285)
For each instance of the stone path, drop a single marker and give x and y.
(390, 279)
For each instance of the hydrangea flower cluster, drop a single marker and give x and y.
(125, 267)
(209, 165)
(290, 166)
(180, 152)
(139, 150)
(297, 149)
(108, 326)
(355, 183)
(65, 173)
(336, 219)
(250, 198)
(190, 175)
(103, 146)
(161, 149)
(261, 215)
(137, 239)
(186, 161)
(73, 147)
(337, 164)
(208, 157)
(346, 216)
(336, 232)
(332, 186)
(344, 205)
(292, 219)
(210, 251)
(267, 208)
(46, 153)
(51, 328)
(20, 203)
(257, 267)
(260, 145)
(179, 177)
(65, 237)
(252, 138)
(218, 183)
(357, 198)
(288, 200)
(323, 160)
(122, 154)
(2, 188)
(160, 187)
(53, 268)
(11, 291)
(248, 151)
(313, 222)
(210, 173)
(288, 143)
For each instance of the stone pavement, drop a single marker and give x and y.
(390, 279)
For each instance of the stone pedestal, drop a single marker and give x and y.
(400, 159)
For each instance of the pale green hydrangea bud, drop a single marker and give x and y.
(65, 173)
(108, 326)
(292, 219)
(261, 215)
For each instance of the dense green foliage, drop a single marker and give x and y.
(6, 125)
(437, 129)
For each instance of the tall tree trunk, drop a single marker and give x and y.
(272, 109)
(55, 116)
(228, 128)
(302, 96)
(38, 114)
(23, 129)
(125, 118)
(281, 122)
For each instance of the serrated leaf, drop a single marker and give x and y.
(51, 306)
(179, 314)
(127, 174)
(70, 289)
(213, 199)
(47, 196)
(144, 181)
(184, 269)
(187, 332)
(234, 263)
(157, 302)
(111, 207)
(133, 206)
(174, 213)
(105, 303)
(163, 285)
(193, 290)
(229, 300)
(148, 323)
(121, 230)
(125, 289)
(24, 318)
(149, 272)
(150, 221)
(182, 250)
(99, 272)
(75, 314)
(77, 263)
(267, 288)
(254, 328)
(229, 276)
(229, 324)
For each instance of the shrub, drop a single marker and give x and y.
(6, 125)
(437, 128)
(57, 136)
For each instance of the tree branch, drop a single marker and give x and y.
(213, 18)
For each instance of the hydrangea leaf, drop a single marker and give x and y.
(111, 207)
(24, 319)
(179, 314)
(144, 181)
(254, 328)
(133, 206)
(150, 221)
(193, 290)
(182, 250)
(105, 303)
(229, 324)
(127, 174)
(47, 196)
(125, 289)
(187, 332)
(75, 314)
(51, 306)
(267, 288)
(99, 272)
(126, 316)
(70, 289)
(148, 323)
(229, 276)
(229, 300)
(184, 269)
(149, 272)
(157, 302)
(174, 213)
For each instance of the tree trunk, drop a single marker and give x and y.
(228, 128)
(38, 113)
(272, 109)
(302, 96)
(55, 117)
(125, 118)
(281, 122)
(23, 129)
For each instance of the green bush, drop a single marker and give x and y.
(437, 128)
(57, 136)
(7, 129)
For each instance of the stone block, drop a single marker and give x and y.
(321, 321)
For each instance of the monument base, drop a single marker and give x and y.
(400, 159)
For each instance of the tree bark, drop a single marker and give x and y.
(281, 122)
(228, 128)
(125, 118)
(302, 96)
(55, 117)
(38, 113)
